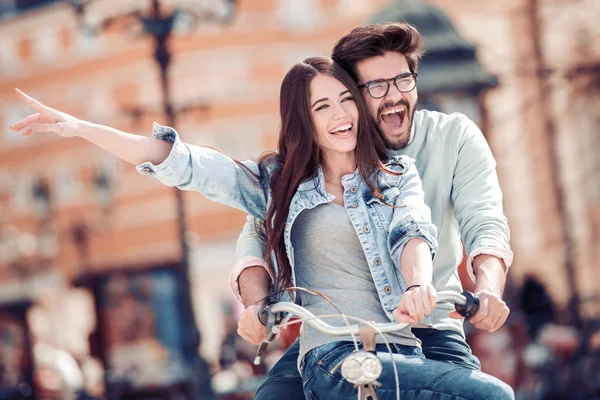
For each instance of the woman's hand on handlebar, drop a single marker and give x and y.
(415, 304)
(249, 326)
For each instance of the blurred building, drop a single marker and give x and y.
(527, 72)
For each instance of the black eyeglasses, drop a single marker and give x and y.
(379, 88)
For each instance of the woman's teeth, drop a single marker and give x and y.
(344, 129)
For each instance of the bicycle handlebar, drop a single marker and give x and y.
(460, 300)
(466, 303)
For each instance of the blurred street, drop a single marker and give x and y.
(113, 286)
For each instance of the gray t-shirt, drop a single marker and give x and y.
(330, 260)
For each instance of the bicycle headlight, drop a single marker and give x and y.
(352, 370)
(361, 368)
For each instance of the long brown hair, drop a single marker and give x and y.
(298, 156)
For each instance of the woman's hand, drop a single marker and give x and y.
(47, 119)
(416, 304)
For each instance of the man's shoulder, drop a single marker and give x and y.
(436, 120)
(447, 128)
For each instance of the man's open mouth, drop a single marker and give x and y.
(394, 117)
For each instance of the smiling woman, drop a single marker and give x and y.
(334, 114)
(334, 102)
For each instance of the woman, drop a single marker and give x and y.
(337, 219)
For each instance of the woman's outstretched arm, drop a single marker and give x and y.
(134, 149)
(164, 156)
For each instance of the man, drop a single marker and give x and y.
(461, 188)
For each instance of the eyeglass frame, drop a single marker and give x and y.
(403, 75)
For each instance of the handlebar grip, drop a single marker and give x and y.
(471, 307)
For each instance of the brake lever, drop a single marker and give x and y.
(264, 313)
(265, 309)
(268, 319)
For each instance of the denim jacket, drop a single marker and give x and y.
(222, 180)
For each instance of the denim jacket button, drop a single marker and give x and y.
(354, 205)
(377, 261)
(353, 189)
(388, 290)
(366, 229)
(146, 170)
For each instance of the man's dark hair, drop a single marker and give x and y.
(375, 40)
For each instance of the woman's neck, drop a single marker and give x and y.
(336, 165)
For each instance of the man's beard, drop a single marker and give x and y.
(402, 141)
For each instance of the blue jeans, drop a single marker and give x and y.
(419, 378)
(447, 346)
(284, 381)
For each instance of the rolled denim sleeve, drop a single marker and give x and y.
(249, 252)
(411, 217)
(208, 171)
(477, 197)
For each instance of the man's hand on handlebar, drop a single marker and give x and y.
(492, 313)
(415, 304)
(249, 326)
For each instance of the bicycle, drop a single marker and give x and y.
(361, 368)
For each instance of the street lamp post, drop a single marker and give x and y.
(160, 28)
(159, 25)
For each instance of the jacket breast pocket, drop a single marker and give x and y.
(381, 210)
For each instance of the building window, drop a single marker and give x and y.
(68, 186)
(8, 59)
(46, 45)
